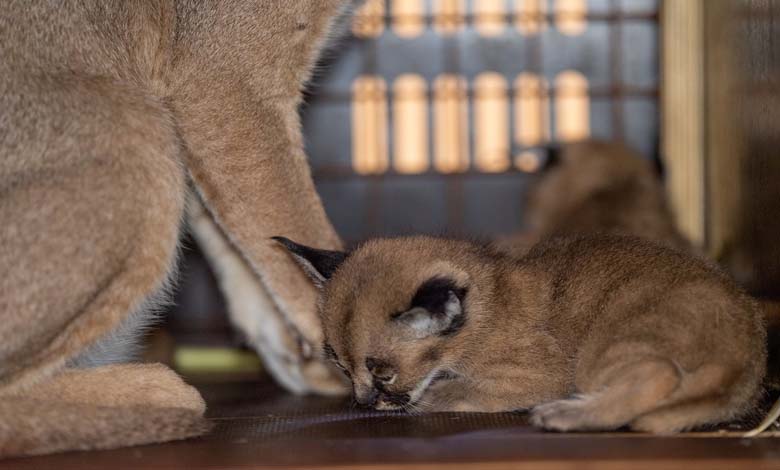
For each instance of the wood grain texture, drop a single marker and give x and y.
(682, 100)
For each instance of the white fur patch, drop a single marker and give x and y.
(123, 343)
(250, 307)
(422, 386)
(425, 324)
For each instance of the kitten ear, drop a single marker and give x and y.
(436, 309)
(553, 157)
(319, 265)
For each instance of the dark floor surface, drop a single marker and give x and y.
(259, 426)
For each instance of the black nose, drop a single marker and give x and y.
(369, 399)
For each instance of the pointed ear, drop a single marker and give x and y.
(319, 265)
(553, 157)
(436, 309)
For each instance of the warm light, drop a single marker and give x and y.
(532, 118)
(449, 16)
(572, 108)
(570, 16)
(489, 17)
(369, 20)
(530, 16)
(369, 125)
(410, 124)
(451, 142)
(408, 18)
(491, 112)
(528, 162)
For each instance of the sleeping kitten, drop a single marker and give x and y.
(596, 186)
(588, 332)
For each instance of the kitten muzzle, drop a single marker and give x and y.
(367, 400)
(396, 399)
(382, 399)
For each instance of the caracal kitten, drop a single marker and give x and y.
(591, 332)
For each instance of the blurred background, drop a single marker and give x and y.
(433, 113)
(435, 116)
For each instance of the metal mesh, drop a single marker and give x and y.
(617, 53)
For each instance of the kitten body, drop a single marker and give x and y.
(593, 332)
(596, 186)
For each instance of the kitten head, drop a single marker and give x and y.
(395, 312)
(581, 171)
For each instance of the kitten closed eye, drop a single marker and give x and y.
(381, 371)
(331, 355)
(513, 330)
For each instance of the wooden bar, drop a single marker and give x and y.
(682, 102)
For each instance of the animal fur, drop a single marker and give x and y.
(112, 115)
(596, 186)
(588, 332)
(100, 408)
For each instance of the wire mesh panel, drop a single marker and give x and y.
(435, 114)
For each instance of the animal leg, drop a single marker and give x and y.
(91, 198)
(252, 310)
(246, 160)
(100, 408)
(629, 391)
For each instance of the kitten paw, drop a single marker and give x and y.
(564, 415)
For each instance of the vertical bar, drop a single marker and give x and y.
(451, 124)
(410, 124)
(449, 16)
(369, 125)
(408, 18)
(455, 197)
(368, 21)
(682, 104)
(570, 16)
(572, 108)
(532, 118)
(491, 120)
(616, 48)
(489, 17)
(530, 16)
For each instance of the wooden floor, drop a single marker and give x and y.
(259, 426)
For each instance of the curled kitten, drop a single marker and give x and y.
(596, 186)
(594, 332)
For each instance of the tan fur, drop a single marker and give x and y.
(591, 332)
(109, 112)
(597, 187)
(100, 408)
(268, 333)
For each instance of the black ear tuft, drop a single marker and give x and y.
(318, 264)
(433, 294)
(553, 157)
(435, 309)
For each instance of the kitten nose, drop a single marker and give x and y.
(367, 399)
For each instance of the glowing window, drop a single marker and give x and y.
(449, 16)
(489, 17)
(369, 125)
(451, 144)
(491, 116)
(570, 16)
(410, 124)
(368, 21)
(408, 18)
(530, 16)
(528, 162)
(532, 117)
(572, 107)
